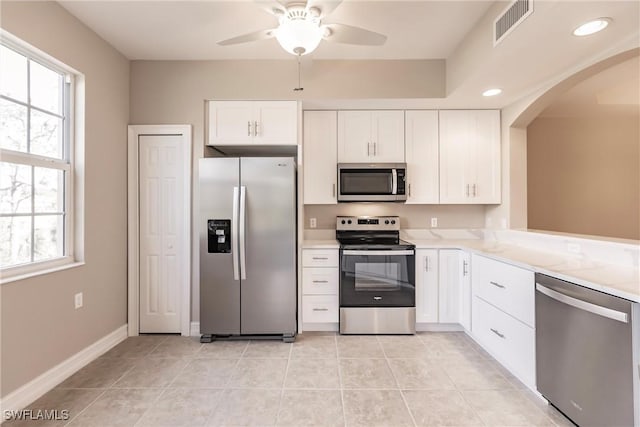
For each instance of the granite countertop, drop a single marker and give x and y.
(618, 280)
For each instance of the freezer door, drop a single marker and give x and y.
(219, 289)
(269, 238)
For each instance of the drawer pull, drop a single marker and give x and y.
(320, 309)
(498, 285)
(320, 258)
(495, 331)
(320, 281)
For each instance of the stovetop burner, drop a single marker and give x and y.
(370, 232)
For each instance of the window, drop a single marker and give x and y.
(36, 169)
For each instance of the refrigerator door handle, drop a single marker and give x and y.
(234, 235)
(243, 232)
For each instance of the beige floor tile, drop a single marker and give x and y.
(247, 407)
(265, 373)
(181, 407)
(152, 372)
(139, 346)
(419, 374)
(476, 375)
(117, 407)
(223, 349)
(66, 402)
(440, 408)
(311, 408)
(369, 408)
(101, 373)
(314, 346)
(205, 373)
(312, 373)
(267, 349)
(177, 346)
(556, 416)
(366, 373)
(402, 346)
(506, 408)
(359, 346)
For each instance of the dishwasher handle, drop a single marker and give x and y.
(583, 305)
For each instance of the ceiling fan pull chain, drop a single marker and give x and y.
(299, 88)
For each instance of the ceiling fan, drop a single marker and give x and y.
(301, 27)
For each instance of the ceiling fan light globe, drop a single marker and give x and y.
(299, 36)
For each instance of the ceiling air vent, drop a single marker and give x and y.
(511, 18)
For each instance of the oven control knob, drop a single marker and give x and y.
(393, 221)
(349, 222)
(343, 222)
(386, 221)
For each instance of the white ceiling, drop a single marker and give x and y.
(189, 30)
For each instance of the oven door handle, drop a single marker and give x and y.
(390, 253)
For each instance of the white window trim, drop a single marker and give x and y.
(73, 201)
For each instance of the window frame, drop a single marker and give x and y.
(67, 163)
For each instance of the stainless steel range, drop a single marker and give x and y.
(377, 277)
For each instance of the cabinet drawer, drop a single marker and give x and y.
(320, 308)
(320, 258)
(509, 340)
(507, 287)
(320, 281)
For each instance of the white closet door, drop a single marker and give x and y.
(161, 181)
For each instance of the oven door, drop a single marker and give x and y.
(377, 278)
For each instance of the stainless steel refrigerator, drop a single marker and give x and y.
(247, 229)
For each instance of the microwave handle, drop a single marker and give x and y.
(394, 181)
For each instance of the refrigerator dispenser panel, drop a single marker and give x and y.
(219, 236)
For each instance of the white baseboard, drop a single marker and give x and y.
(438, 327)
(320, 327)
(194, 331)
(34, 389)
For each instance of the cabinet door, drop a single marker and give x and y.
(230, 122)
(454, 174)
(427, 286)
(275, 122)
(449, 290)
(465, 291)
(485, 160)
(421, 148)
(388, 136)
(320, 151)
(354, 137)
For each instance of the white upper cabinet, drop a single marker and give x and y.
(421, 147)
(469, 156)
(253, 123)
(371, 136)
(320, 157)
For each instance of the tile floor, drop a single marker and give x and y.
(430, 379)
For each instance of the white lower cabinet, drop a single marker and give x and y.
(503, 315)
(320, 288)
(443, 287)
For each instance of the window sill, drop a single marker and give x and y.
(41, 271)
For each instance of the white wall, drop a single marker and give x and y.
(40, 327)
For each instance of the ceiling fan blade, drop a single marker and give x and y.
(249, 37)
(341, 33)
(274, 7)
(324, 6)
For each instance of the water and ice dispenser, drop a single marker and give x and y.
(219, 236)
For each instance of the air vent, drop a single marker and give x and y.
(511, 18)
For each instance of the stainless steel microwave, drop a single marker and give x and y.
(372, 182)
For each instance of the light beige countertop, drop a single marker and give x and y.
(619, 280)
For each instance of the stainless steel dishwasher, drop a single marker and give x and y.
(587, 362)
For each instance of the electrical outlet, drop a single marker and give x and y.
(434, 222)
(78, 300)
(313, 223)
(573, 248)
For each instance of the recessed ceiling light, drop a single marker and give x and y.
(492, 92)
(592, 27)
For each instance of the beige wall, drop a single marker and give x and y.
(40, 327)
(411, 216)
(584, 175)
